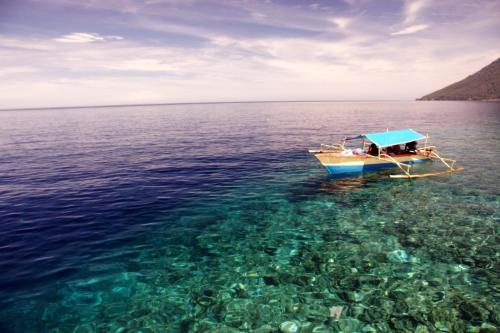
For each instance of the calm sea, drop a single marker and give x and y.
(214, 218)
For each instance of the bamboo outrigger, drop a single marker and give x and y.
(384, 152)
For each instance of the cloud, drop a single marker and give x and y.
(253, 69)
(258, 16)
(143, 65)
(341, 22)
(412, 9)
(16, 70)
(85, 37)
(411, 12)
(411, 29)
(240, 54)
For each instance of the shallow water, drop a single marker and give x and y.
(198, 218)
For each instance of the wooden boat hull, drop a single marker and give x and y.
(337, 164)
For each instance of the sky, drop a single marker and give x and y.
(93, 52)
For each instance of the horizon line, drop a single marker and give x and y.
(196, 103)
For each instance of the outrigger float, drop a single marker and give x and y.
(384, 152)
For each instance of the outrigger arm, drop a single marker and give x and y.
(392, 160)
(433, 155)
(400, 165)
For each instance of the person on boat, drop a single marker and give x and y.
(347, 152)
(411, 147)
(394, 150)
(358, 151)
(373, 150)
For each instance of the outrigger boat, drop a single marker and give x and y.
(384, 152)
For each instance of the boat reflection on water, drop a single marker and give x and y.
(352, 182)
(345, 183)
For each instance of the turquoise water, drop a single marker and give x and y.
(213, 218)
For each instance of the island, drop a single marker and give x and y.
(480, 86)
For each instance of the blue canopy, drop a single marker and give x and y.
(389, 138)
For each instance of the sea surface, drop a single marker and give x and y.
(214, 218)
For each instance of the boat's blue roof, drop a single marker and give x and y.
(389, 138)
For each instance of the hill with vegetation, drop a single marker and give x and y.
(482, 85)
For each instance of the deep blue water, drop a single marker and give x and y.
(119, 218)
